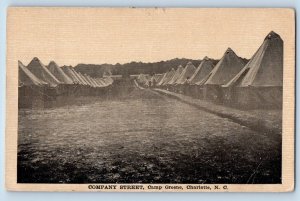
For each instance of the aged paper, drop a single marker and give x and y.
(150, 100)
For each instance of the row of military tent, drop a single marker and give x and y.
(39, 84)
(234, 81)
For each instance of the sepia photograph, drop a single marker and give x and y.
(150, 99)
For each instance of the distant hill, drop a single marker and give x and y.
(133, 68)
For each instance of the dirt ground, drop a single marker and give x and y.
(142, 138)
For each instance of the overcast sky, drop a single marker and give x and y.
(114, 36)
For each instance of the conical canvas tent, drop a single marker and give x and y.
(91, 84)
(101, 81)
(77, 79)
(259, 83)
(142, 79)
(91, 81)
(158, 77)
(31, 90)
(204, 68)
(168, 77)
(41, 72)
(68, 71)
(97, 84)
(59, 73)
(88, 80)
(228, 67)
(162, 79)
(81, 81)
(82, 78)
(155, 79)
(186, 74)
(176, 75)
(26, 78)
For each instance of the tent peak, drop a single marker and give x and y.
(272, 35)
(205, 58)
(52, 62)
(35, 59)
(229, 50)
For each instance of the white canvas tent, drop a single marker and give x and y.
(41, 72)
(186, 74)
(79, 78)
(83, 79)
(162, 78)
(260, 81)
(68, 71)
(158, 77)
(59, 73)
(176, 75)
(91, 81)
(168, 77)
(26, 78)
(228, 67)
(204, 68)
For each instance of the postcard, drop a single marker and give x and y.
(150, 99)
